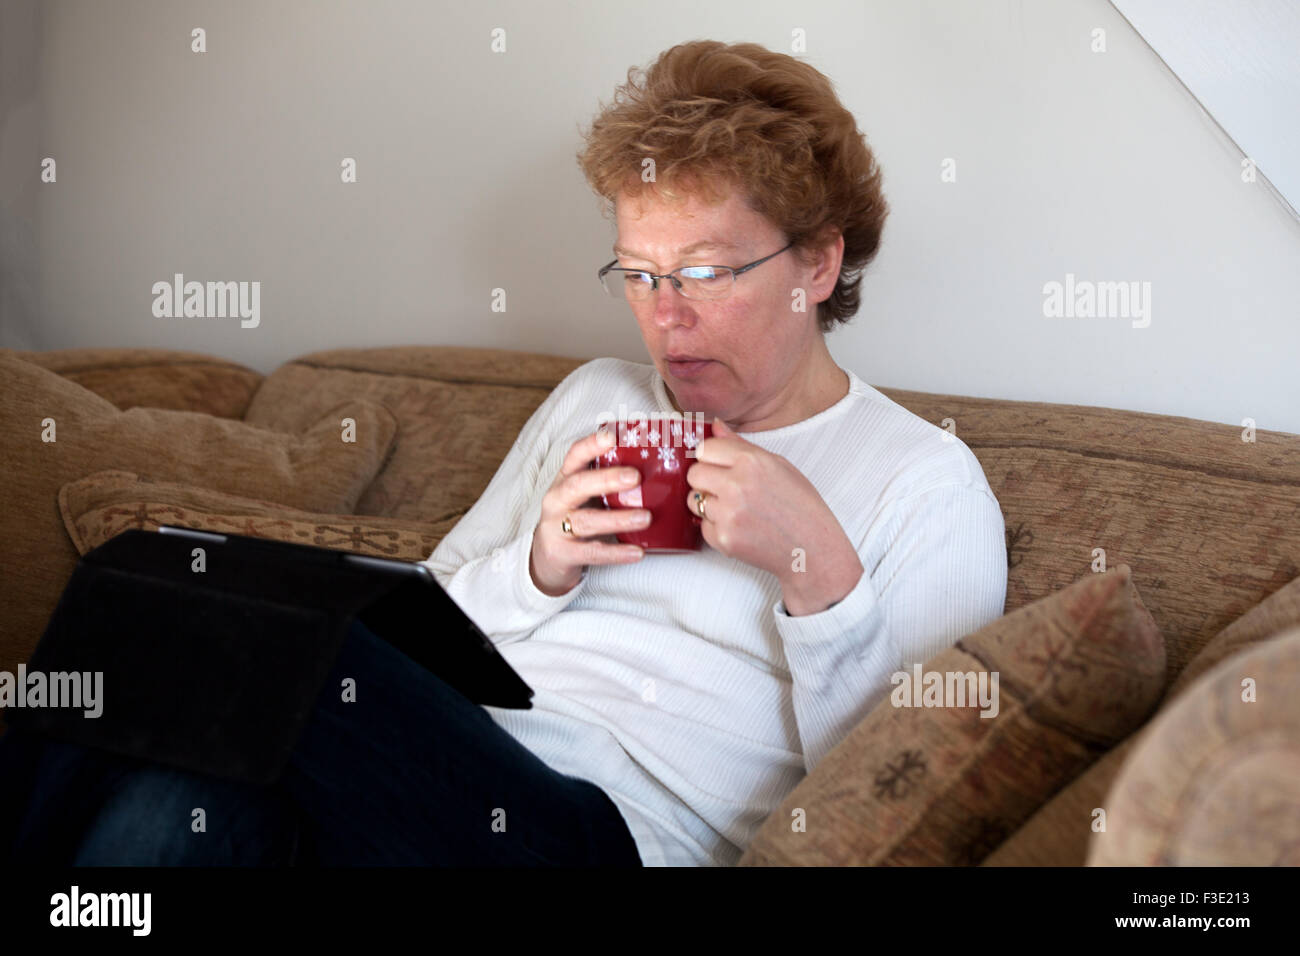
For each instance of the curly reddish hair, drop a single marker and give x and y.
(715, 117)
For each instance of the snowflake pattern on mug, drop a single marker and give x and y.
(668, 458)
(645, 452)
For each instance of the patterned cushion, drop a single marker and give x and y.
(460, 411)
(1057, 835)
(1214, 779)
(1077, 671)
(314, 470)
(99, 506)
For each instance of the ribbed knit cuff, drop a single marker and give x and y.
(838, 621)
(534, 601)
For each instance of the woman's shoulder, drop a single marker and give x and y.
(922, 454)
(599, 377)
(597, 389)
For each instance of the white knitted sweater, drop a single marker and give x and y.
(678, 684)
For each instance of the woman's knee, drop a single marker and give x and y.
(156, 816)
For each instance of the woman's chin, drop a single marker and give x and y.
(693, 400)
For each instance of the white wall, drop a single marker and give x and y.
(20, 135)
(225, 166)
(1241, 61)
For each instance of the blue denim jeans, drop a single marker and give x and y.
(410, 773)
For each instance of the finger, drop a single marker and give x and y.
(710, 504)
(593, 551)
(720, 449)
(590, 522)
(707, 531)
(586, 450)
(707, 477)
(577, 489)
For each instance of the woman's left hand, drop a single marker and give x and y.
(760, 509)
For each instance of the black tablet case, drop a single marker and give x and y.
(217, 671)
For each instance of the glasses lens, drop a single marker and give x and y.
(705, 282)
(627, 285)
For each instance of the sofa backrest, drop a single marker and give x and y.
(1209, 523)
(155, 378)
(458, 409)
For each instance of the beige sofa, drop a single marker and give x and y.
(1194, 522)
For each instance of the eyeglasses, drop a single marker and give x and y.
(693, 282)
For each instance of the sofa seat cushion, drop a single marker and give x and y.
(944, 783)
(459, 411)
(55, 431)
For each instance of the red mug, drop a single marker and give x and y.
(662, 449)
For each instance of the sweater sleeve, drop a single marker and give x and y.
(483, 561)
(942, 575)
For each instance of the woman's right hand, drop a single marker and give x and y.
(557, 558)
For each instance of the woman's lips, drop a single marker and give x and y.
(688, 369)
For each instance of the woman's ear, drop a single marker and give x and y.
(829, 262)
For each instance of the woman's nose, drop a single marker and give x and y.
(671, 307)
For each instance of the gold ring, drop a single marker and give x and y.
(566, 525)
(699, 504)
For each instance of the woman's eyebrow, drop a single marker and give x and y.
(703, 244)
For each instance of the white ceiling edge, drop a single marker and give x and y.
(1238, 60)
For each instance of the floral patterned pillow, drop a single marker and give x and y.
(99, 506)
(932, 781)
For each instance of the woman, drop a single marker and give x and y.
(679, 697)
(847, 537)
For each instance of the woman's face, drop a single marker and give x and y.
(753, 344)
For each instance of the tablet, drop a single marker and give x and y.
(400, 601)
(208, 652)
